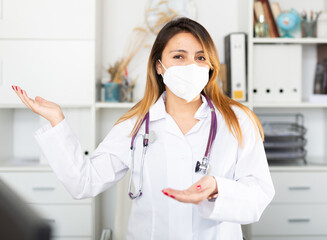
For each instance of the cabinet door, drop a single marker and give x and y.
(60, 71)
(67, 220)
(300, 187)
(292, 219)
(44, 19)
(40, 188)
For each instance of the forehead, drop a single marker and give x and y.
(184, 41)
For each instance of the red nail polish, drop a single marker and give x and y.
(165, 193)
(21, 91)
(16, 88)
(172, 196)
(198, 187)
(13, 87)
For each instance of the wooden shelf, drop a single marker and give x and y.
(289, 40)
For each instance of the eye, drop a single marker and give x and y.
(201, 58)
(178, 57)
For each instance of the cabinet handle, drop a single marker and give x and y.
(299, 188)
(43, 188)
(298, 220)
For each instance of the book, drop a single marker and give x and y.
(258, 10)
(272, 28)
(275, 10)
(321, 52)
(324, 81)
(319, 79)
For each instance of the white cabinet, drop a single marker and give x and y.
(67, 220)
(299, 208)
(300, 187)
(42, 191)
(62, 71)
(47, 47)
(47, 19)
(17, 128)
(40, 188)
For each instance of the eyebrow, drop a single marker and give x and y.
(184, 51)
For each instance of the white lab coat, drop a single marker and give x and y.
(244, 182)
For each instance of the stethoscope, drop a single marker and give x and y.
(200, 167)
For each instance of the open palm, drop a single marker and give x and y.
(49, 110)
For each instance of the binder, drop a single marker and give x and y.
(277, 73)
(236, 62)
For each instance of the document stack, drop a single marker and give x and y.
(285, 140)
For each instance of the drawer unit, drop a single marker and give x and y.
(67, 220)
(300, 187)
(299, 208)
(70, 219)
(292, 219)
(39, 187)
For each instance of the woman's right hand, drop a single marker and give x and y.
(49, 110)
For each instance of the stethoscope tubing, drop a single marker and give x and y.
(202, 167)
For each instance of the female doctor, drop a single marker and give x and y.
(190, 144)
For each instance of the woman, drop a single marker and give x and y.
(180, 90)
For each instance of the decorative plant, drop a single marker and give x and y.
(118, 71)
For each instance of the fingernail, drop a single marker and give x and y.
(13, 87)
(172, 196)
(198, 187)
(165, 193)
(21, 91)
(16, 88)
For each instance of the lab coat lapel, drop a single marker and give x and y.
(179, 176)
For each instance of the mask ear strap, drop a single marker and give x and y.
(162, 64)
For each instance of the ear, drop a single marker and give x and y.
(158, 68)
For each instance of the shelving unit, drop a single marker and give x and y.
(288, 205)
(47, 51)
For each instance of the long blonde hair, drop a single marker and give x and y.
(155, 86)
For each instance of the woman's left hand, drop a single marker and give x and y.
(205, 188)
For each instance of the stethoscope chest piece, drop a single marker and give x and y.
(203, 167)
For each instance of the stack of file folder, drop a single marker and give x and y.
(285, 140)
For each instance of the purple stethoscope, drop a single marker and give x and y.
(200, 167)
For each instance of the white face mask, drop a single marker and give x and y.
(186, 81)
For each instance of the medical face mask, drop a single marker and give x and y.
(186, 81)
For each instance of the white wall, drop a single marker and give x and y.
(118, 20)
(121, 17)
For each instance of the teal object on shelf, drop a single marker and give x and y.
(288, 22)
(111, 92)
